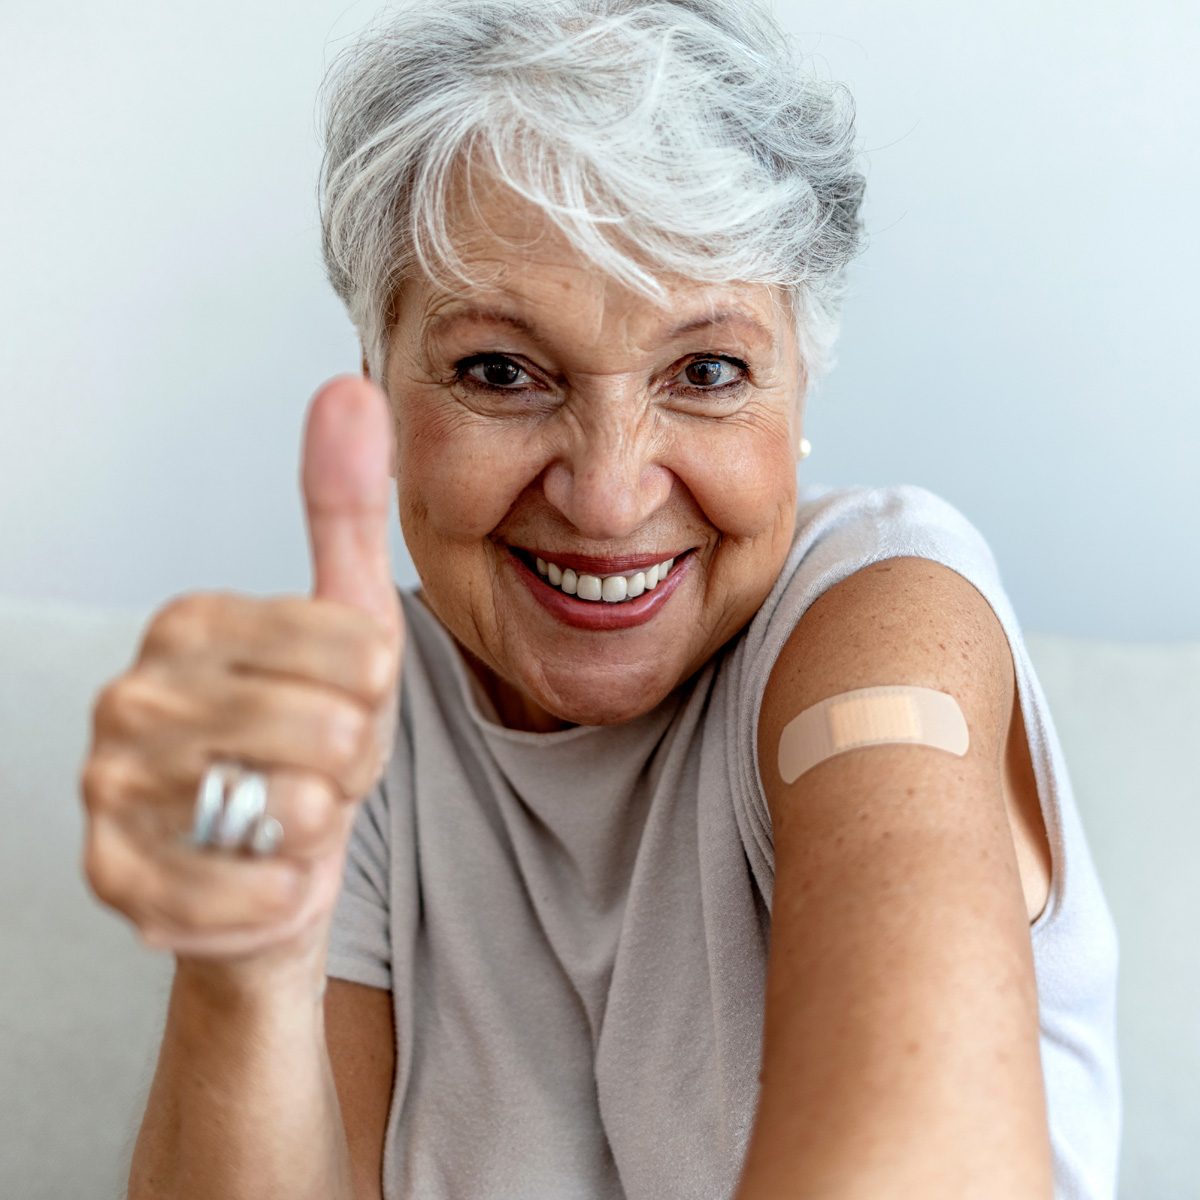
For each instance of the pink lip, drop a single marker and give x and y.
(594, 614)
(586, 564)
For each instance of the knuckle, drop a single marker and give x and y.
(108, 705)
(95, 873)
(126, 705)
(311, 816)
(377, 669)
(104, 783)
(359, 780)
(184, 623)
(107, 884)
(345, 728)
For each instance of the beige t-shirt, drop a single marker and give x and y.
(574, 925)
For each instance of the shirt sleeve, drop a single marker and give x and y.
(360, 937)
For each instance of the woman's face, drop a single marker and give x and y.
(556, 415)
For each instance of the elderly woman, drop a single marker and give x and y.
(688, 833)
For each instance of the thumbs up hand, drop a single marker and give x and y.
(345, 477)
(303, 689)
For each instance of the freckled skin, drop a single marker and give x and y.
(604, 447)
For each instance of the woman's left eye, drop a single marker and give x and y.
(713, 374)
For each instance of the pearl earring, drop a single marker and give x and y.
(805, 447)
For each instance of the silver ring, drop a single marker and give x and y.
(210, 801)
(245, 802)
(230, 811)
(266, 835)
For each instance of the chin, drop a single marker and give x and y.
(600, 702)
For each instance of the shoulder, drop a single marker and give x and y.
(840, 530)
(900, 620)
(846, 530)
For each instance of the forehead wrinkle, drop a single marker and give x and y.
(443, 321)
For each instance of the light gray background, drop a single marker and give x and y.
(1020, 338)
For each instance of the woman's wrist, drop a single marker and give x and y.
(243, 1101)
(286, 975)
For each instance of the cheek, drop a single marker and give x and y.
(457, 476)
(742, 476)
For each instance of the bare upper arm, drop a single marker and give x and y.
(901, 1032)
(360, 1035)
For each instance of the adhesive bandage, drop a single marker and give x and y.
(871, 716)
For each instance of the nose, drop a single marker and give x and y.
(607, 482)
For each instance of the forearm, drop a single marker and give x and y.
(243, 1103)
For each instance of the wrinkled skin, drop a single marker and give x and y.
(599, 435)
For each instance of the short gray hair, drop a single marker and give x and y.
(684, 131)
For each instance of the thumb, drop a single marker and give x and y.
(348, 494)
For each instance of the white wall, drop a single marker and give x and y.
(1016, 339)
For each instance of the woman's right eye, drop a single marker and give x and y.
(495, 371)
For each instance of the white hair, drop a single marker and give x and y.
(675, 135)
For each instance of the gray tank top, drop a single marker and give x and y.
(574, 925)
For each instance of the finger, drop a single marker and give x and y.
(312, 640)
(347, 495)
(311, 812)
(180, 723)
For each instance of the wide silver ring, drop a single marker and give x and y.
(230, 811)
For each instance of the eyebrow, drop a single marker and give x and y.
(724, 317)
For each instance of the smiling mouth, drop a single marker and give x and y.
(572, 579)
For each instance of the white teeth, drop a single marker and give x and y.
(614, 588)
(611, 589)
(589, 588)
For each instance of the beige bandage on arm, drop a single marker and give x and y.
(871, 716)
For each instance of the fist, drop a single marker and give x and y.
(303, 689)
